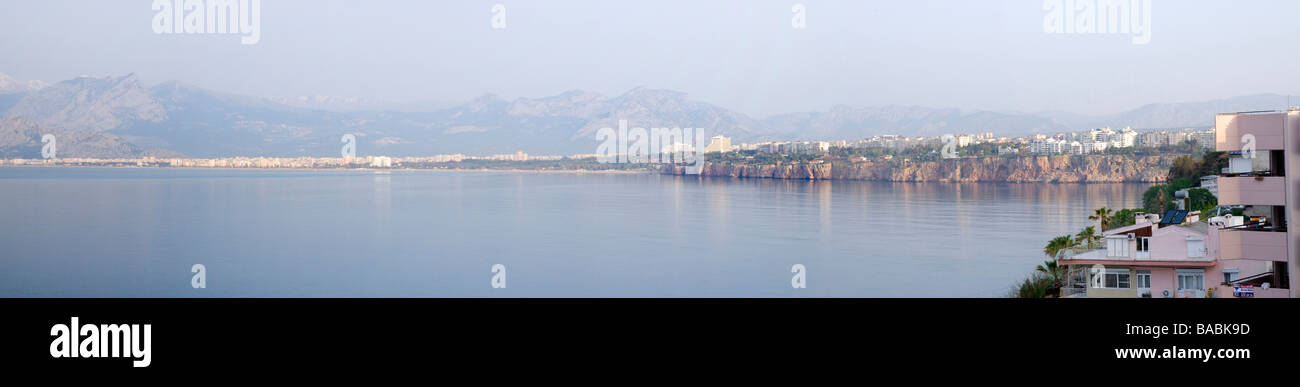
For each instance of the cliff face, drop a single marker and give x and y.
(1033, 169)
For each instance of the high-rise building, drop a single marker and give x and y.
(1267, 190)
(718, 144)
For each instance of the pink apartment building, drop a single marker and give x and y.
(1188, 255)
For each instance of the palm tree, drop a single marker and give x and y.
(1052, 271)
(1103, 216)
(1057, 244)
(1087, 236)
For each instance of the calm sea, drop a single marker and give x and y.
(104, 232)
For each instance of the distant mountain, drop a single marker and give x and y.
(651, 108)
(90, 104)
(21, 138)
(202, 123)
(10, 85)
(353, 104)
(121, 116)
(13, 90)
(1181, 115)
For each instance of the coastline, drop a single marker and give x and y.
(1058, 169)
(377, 170)
(1034, 169)
(667, 170)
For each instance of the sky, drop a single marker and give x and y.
(742, 55)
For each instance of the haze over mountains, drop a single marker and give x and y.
(124, 117)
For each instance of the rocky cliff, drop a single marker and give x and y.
(1028, 169)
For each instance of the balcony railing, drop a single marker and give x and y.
(1259, 226)
(1075, 281)
(1070, 252)
(1244, 243)
(1252, 190)
(1261, 173)
(1265, 127)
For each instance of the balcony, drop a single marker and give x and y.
(1102, 256)
(1252, 190)
(1256, 244)
(1267, 127)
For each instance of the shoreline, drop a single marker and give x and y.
(377, 170)
(570, 172)
(1038, 169)
(944, 181)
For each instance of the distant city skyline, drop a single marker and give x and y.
(1090, 141)
(747, 57)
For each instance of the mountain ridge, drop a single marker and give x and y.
(175, 117)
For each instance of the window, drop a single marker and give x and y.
(1195, 247)
(1144, 279)
(1116, 247)
(1143, 247)
(1191, 279)
(1230, 275)
(1116, 279)
(1144, 283)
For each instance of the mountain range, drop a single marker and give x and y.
(124, 117)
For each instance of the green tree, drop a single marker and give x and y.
(1160, 198)
(1200, 199)
(1103, 216)
(1057, 244)
(1212, 163)
(1124, 217)
(1087, 237)
(1154, 199)
(1034, 286)
(1052, 271)
(1185, 167)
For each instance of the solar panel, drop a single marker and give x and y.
(1174, 217)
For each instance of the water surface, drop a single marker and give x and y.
(128, 232)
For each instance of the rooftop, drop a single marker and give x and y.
(1198, 227)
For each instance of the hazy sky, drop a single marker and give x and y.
(743, 55)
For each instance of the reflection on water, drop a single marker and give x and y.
(136, 232)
